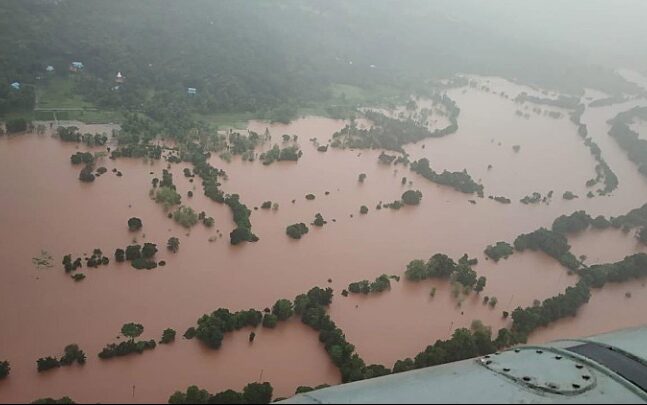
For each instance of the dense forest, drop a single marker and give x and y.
(628, 139)
(294, 53)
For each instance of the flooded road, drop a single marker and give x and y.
(43, 206)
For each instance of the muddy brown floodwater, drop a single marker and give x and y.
(43, 206)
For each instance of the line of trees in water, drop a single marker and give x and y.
(72, 354)
(579, 221)
(460, 181)
(628, 139)
(88, 159)
(464, 343)
(211, 328)
(381, 283)
(277, 154)
(311, 308)
(72, 134)
(602, 169)
(554, 243)
(140, 257)
(566, 102)
(392, 133)
(49, 400)
(131, 331)
(535, 198)
(95, 260)
(499, 250)
(441, 266)
(195, 153)
(194, 145)
(550, 242)
(253, 393)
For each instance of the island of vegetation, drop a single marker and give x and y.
(565, 102)
(603, 171)
(391, 133)
(131, 331)
(211, 328)
(568, 195)
(382, 283)
(173, 244)
(499, 250)
(138, 256)
(290, 153)
(442, 266)
(168, 336)
(72, 354)
(412, 197)
(534, 198)
(186, 216)
(460, 181)
(134, 224)
(502, 200)
(319, 220)
(296, 231)
(552, 243)
(628, 139)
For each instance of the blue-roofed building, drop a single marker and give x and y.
(15, 86)
(192, 91)
(76, 66)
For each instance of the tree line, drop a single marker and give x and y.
(460, 181)
(392, 133)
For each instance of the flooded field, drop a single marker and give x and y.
(44, 207)
(400, 323)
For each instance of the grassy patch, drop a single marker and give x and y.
(91, 116)
(345, 94)
(58, 92)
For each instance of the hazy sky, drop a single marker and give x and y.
(607, 31)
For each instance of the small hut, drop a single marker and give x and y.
(15, 86)
(192, 91)
(120, 78)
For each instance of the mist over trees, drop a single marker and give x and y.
(293, 51)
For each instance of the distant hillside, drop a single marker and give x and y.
(261, 55)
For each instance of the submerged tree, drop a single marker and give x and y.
(411, 197)
(5, 369)
(173, 244)
(132, 330)
(295, 231)
(134, 224)
(168, 336)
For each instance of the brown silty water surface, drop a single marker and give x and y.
(43, 206)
